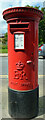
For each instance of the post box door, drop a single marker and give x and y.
(23, 64)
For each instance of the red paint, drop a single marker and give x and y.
(23, 64)
(40, 48)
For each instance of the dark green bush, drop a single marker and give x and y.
(4, 47)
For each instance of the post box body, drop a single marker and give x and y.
(23, 61)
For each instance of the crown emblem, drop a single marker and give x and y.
(20, 65)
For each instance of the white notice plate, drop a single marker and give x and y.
(19, 41)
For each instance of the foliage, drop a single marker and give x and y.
(41, 26)
(3, 46)
(37, 7)
(4, 40)
(28, 6)
(3, 50)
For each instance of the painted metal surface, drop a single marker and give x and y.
(23, 64)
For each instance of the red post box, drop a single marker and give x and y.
(23, 88)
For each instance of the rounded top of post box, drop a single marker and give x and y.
(22, 12)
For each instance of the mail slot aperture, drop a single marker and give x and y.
(19, 26)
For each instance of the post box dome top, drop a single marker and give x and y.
(22, 12)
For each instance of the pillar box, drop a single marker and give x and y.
(23, 88)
